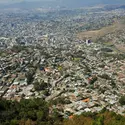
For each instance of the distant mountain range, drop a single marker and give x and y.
(60, 3)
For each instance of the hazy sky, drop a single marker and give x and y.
(15, 1)
(11, 1)
(103, 1)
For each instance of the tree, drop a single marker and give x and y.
(40, 115)
(30, 75)
(14, 122)
(122, 100)
(31, 115)
(99, 121)
(40, 85)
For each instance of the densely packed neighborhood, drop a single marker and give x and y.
(43, 58)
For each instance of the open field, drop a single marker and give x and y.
(96, 34)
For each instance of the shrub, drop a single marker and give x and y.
(122, 100)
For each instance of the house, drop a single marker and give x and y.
(86, 100)
(87, 110)
(16, 83)
(71, 116)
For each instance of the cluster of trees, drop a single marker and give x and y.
(122, 100)
(27, 112)
(102, 118)
(40, 85)
(30, 75)
(17, 48)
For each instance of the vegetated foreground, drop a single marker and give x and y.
(38, 112)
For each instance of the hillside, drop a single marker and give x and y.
(96, 34)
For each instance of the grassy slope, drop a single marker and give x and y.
(96, 34)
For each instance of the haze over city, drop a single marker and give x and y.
(54, 3)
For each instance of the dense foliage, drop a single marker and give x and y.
(28, 112)
(102, 118)
(122, 100)
(39, 112)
